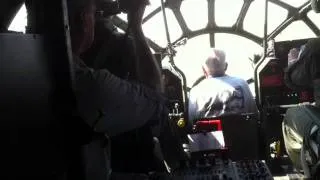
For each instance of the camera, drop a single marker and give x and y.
(113, 7)
(109, 8)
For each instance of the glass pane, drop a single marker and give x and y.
(123, 16)
(295, 3)
(155, 30)
(154, 4)
(120, 30)
(238, 51)
(315, 18)
(254, 20)
(276, 15)
(195, 13)
(190, 56)
(296, 30)
(19, 22)
(223, 9)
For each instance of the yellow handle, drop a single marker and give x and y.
(181, 123)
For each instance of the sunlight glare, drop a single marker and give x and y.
(19, 23)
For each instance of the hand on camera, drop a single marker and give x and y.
(135, 10)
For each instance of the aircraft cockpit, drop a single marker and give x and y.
(260, 38)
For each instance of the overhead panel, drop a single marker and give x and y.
(195, 13)
(296, 30)
(155, 29)
(227, 12)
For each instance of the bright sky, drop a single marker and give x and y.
(238, 49)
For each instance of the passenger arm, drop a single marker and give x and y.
(114, 106)
(148, 70)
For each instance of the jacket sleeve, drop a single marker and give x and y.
(250, 100)
(193, 107)
(113, 106)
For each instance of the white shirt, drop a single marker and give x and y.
(216, 96)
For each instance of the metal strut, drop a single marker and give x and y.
(171, 60)
(265, 47)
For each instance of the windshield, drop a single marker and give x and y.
(239, 40)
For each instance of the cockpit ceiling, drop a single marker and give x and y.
(190, 18)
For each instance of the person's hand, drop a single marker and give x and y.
(135, 12)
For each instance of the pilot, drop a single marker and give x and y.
(301, 125)
(293, 56)
(107, 103)
(219, 94)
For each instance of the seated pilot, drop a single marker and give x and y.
(301, 124)
(219, 94)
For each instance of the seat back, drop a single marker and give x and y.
(29, 120)
(240, 133)
(36, 100)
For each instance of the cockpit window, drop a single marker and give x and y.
(254, 20)
(19, 22)
(152, 6)
(296, 30)
(295, 3)
(240, 40)
(123, 16)
(223, 17)
(189, 57)
(314, 17)
(198, 19)
(155, 30)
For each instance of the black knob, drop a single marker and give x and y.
(224, 176)
(213, 162)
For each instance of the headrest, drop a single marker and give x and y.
(315, 5)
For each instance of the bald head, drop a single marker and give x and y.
(215, 64)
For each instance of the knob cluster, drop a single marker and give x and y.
(252, 169)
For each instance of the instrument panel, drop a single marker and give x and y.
(225, 170)
(273, 89)
(220, 169)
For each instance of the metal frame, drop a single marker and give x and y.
(294, 14)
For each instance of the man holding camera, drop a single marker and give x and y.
(127, 56)
(109, 104)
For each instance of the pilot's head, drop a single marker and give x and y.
(215, 65)
(81, 20)
(293, 55)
